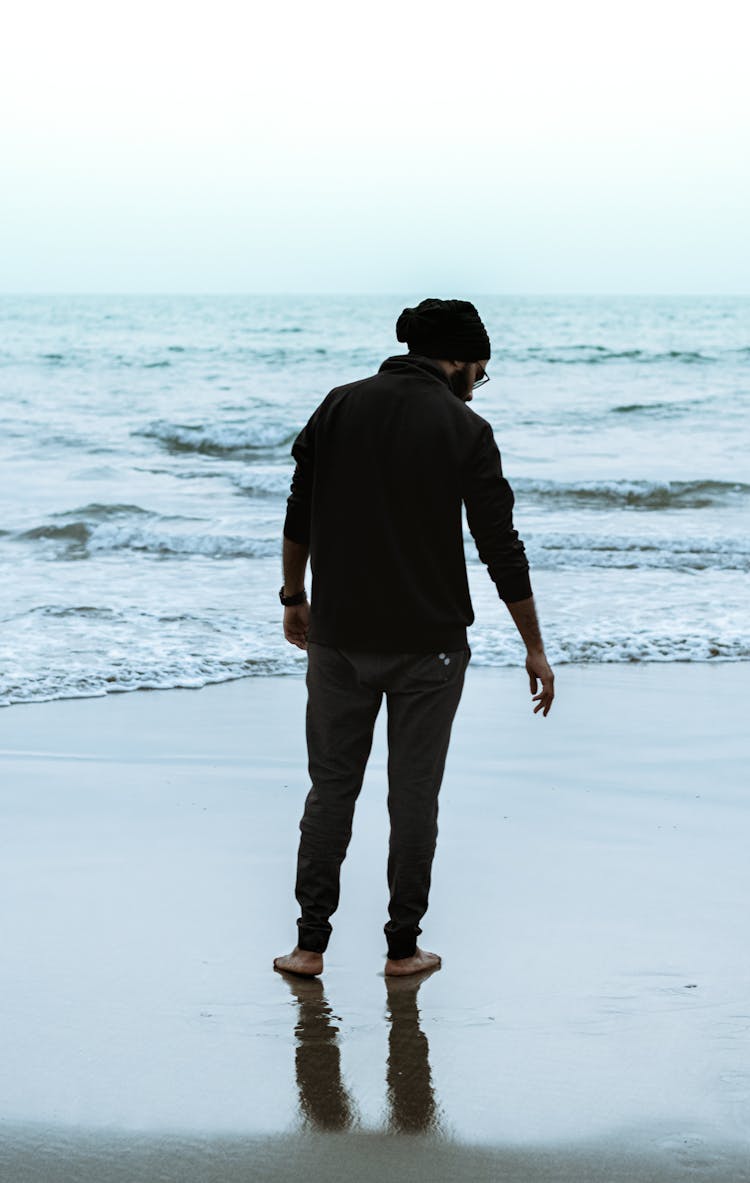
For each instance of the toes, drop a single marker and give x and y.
(301, 967)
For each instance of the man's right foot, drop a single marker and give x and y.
(300, 961)
(412, 965)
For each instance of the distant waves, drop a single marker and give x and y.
(637, 494)
(580, 354)
(145, 465)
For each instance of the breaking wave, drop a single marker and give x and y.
(96, 529)
(264, 482)
(186, 667)
(626, 649)
(566, 551)
(641, 494)
(180, 674)
(231, 438)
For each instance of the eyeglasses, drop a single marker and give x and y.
(481, 381)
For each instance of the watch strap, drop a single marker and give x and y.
(292, 601)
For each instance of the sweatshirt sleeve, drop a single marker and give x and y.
(489, 512)
(299, 501)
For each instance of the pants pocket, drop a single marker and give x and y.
(437, 668)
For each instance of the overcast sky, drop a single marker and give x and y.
(312, 147)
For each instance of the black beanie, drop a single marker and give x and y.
(449, 329)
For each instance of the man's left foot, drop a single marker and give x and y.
(416, 964)
(300, 961)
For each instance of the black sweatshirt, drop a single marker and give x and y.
(383, 466)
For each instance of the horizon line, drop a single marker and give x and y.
(393, 293)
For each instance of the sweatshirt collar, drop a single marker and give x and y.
(412, 363)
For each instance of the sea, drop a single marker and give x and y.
(146, 461)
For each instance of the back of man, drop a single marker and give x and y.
(387, 513)
(383, 467)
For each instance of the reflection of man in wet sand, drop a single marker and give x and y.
(324, 1101)
(383, 468)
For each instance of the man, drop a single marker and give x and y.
(383, 467)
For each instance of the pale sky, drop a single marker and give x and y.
(328, 147)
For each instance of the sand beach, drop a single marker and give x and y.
(592, 1017)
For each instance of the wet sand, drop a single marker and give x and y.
(591, 1021)
(651, 1155)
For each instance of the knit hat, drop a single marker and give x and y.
(449, 329)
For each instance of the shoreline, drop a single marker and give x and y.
(299, 673)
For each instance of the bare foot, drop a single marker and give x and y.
(412, 965)
(300, 961)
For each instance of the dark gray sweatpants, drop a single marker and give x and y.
(345, 690)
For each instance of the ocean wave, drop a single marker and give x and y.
(183, 473)
(100, 528)
(624, 649)
(231, 438)
(264, 482)
(193, 670)
(602, 354)
(564, 552)
(81, 539)
(105, 511)
(73, 532)
(640, 494)
(266, 330)
(83, 612)
(185, 674)
(296, 354)
(82, 523)
(96, 528)
(661, 410)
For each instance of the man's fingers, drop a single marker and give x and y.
(298, 639)
(540, 675)
(543, 702)
(297, 624)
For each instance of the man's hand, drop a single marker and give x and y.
(297, 623)
(537, 666)
(538, 669)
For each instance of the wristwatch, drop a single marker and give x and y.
(291, 601)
